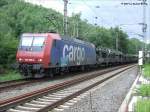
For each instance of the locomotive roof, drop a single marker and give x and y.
(53, 35)
(77, 41)
(57, 36)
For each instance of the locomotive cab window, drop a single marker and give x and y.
(30, 43)
(38, 43)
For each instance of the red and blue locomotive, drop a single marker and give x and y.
(48, 53)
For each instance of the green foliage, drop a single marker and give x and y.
(134, 45)
(143, 106)
(2, 3)
(8, 46)
(148, 47)
(12, 75)
(144, 90)
(147, 70)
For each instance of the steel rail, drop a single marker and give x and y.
(11, 81)
(16, 83)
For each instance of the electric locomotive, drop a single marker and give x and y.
(41, 54)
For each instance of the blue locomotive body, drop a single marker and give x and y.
(72, 52)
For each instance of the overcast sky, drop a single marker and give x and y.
(110, 13)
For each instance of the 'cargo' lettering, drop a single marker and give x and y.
(65, 49)
(74, 54)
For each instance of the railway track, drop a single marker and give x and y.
(17, 83)
(9, 84)
(51, 97)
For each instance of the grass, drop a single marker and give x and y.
(11, 75)
(144, 90)
(143, 105)
(147, 70)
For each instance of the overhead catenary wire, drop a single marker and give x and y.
(95, 13)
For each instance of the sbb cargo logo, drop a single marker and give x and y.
(74, 54)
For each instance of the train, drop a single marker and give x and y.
(47, 54)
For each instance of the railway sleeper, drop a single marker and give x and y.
(64, 106)
(58, 110)
(15, 110)
(58, 95)
(34, 105)
(39, 102)
(49, 98)
(27, 108)
(45, 100)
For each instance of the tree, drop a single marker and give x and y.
(134, 45)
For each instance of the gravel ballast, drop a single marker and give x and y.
(106, 97)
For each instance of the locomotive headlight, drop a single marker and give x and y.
(30, 59)
(40, 60)
(20, 59)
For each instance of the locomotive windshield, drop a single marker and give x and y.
(29, 43)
